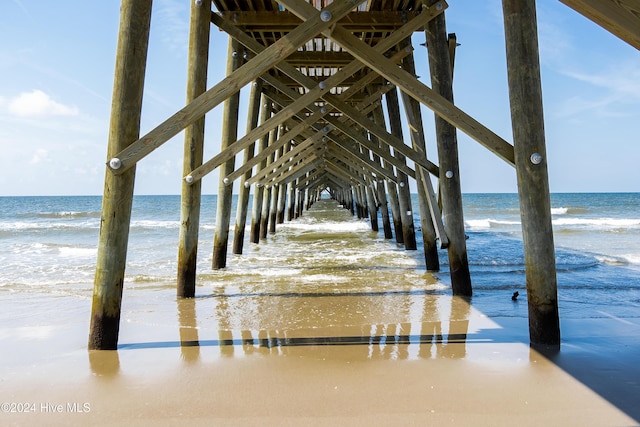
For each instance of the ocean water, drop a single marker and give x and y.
(48, 251)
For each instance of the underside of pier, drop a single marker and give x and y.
(331, 84)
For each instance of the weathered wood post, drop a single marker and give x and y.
(404, 194)
(267, 192)
(193, 150)
(126, 106)
(447, 140)
(525, 93)
(243, 193)
(291, 201)
(392, 189)
(258, 190)
(283, 192)
(373, 209)
(225, 192)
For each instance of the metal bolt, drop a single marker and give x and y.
(188, 179)
(449, 174)
(325, 15)
(115, 163)
(536, 158)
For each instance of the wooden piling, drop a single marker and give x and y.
(124, 129)
(243, 193)
(267, 192)
(225, 192)
(373, 211)
(416, 130)
(291, 201)
(258, 190)
(198, 61)
(283, 192)
(525, 93)
(447, 140)
(404, 194)
(392, 189)
(381, 192)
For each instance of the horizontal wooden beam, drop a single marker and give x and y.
(283, 21)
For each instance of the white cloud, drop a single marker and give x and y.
(173, 20)
(38, 103)
(39, 156)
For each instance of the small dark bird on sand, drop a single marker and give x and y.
(515, 296)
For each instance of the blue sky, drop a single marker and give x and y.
(57, 60)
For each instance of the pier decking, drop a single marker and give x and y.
(327, 79)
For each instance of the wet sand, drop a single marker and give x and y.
(454, 366)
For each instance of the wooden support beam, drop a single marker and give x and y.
(525, 94)
(268, 21)
(397, 144)
(447, 140)
(131, 59)
(619, 17)
(249, 153)
(343, 148)
(362, 140)
(198, 62)
(392, 188)
(404, 195)
(258, 193)
(314, 93)
(409, 83)
(225, 193)
(300, 169)
(267, 174)
(230, 85)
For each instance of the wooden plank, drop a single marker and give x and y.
(230, 85)
(619, 17)
(410, 84)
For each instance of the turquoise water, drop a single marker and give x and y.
(48, 250)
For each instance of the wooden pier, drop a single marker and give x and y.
(330, 82)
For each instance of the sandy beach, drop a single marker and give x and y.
(456, 367)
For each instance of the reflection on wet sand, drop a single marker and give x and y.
(189, 343)
(432, 326)
(104, 363)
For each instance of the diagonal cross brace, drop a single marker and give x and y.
(230, 85)
(409, 83)
(307, 99)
